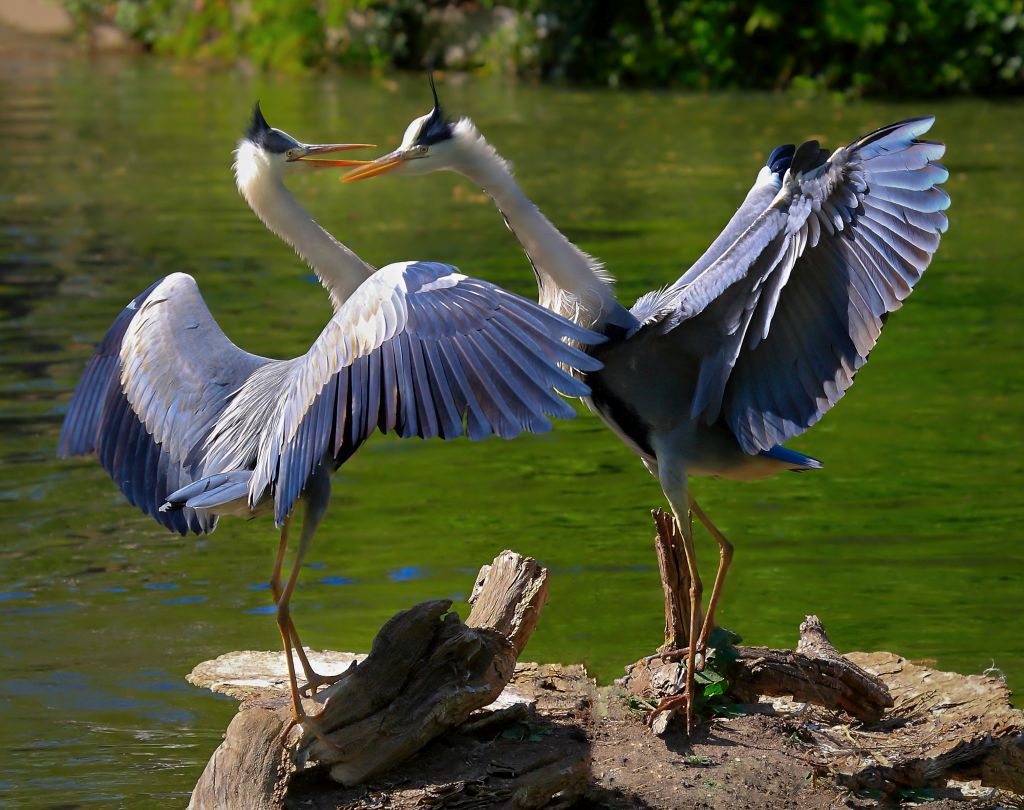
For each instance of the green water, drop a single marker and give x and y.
(117, 172)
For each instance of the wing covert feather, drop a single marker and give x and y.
(782, 316)
(154, 386)
(424, 351)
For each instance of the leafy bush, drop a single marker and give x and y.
(877, 47)
(887, 47)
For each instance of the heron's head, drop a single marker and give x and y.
(431, 143)
(267, 151)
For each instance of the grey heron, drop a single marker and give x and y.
(191, 427)
(760, 337)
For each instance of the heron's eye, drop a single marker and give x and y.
(420, 151)
(291, 154)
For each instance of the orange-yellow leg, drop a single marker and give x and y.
(314, 679)
(724, 561)
(725, 550)
(316, 497)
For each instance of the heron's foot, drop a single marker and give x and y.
(315, 681)
(676, 655)
(309, 723)
(673, 703)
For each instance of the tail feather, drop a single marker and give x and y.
(800, 462)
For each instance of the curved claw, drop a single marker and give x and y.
(308, 722)
(673, 702)
(316, 680)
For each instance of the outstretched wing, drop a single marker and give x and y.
(783, 315)
(150, 393)
(422, 350)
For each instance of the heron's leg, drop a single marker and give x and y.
(724, 561)
(313, 678)
(316, 496)
(275, 578)
(674, 484)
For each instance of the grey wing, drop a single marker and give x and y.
(760, 196)
(421, 350)
(151, 391)
(786, 314)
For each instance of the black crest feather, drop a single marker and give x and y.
(258, 127)
(265, 136)
(436, 128)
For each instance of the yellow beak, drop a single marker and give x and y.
(375, 167)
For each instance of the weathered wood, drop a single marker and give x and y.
(508, 596)
(253, 673)
(813, 673)
(377, 717)
(426, 672)
(942, 725)
(675, 580)
(250, 768)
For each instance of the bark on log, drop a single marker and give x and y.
(813, 673)
(426, 673)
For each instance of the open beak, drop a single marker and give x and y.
(374, 167)
(310, 151)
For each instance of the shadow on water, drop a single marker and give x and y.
(908, 540)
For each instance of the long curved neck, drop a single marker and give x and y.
(339, 269)
(570, 282)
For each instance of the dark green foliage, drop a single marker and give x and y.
(876, 47)
(889, 47)
(713, 680)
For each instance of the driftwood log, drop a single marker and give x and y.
(426, 673)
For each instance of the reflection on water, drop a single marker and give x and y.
(118, 173)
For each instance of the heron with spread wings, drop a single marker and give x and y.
(191, 427)
(756, 341)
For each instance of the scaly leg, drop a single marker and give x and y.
(275, 578)
(313, 678)
(724, 561)
(674, 485)
(316, 496)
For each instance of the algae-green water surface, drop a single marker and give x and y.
(117, 172)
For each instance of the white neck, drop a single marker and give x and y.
(339, 269)
(570, 282)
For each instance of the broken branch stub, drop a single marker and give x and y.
(675, 580)
(419, 691)
(508, 596)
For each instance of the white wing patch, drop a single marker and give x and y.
(442, 283)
